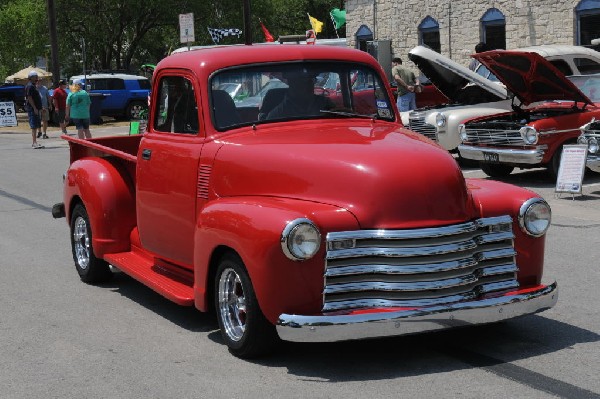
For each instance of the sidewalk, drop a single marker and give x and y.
(110, 127)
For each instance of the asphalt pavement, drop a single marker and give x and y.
(61, 338)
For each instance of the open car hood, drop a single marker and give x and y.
(448, 76)
(530, 76)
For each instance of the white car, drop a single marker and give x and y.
(470, 95)
(455, 81)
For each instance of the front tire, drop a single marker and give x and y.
(496, 170)
(91, 269)
(244, 328)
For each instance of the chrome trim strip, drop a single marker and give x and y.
(430, 232)
(495, 270)
(400, 269)
(401, 286)
(494, 237)
(496, 254)
(389, 303)
(341, 327)
(402, 252)
(533, 156)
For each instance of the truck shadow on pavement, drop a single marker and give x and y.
(432, 353)
(483, 346)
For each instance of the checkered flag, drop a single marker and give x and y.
(218, 34)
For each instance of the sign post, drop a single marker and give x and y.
(186, 28)
(8, 116)
(572, 169)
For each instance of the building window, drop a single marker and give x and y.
(363, 35)
(429, 34)
(588, 20)
(493, 29)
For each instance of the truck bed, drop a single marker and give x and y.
(123, 147)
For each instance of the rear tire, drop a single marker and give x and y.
(91, 270)
(554, 164)
(244, 328)
(496, 170)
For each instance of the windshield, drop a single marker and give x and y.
(588, 84)
(306, 90)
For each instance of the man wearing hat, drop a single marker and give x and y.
(59, 97)
(34, 107)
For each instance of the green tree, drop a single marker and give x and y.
(23, 34)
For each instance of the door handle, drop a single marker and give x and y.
(146, 154)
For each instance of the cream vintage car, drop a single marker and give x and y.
(470, 95)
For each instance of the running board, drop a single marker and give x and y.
(167, 283)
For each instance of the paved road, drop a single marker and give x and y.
(60, 338)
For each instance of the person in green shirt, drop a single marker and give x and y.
(78, 109)
(408, 85)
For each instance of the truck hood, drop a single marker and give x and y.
(448, 76)
(530, 76)
(388, 177)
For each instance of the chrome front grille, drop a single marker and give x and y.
(493, 136)
(419, 267)
(416, 123)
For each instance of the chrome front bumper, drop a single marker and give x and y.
(331, 328)
(593, 162)
(533, 156)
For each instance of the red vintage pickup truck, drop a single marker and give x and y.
(300, 216)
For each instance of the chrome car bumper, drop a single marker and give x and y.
(593, 162)
(533, 156)
(331, 328)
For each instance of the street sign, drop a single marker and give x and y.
(186, 28)
(572, 168)
(8, 116)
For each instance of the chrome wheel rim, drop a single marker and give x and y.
(232, 304)
(81, 243)
(136, 111)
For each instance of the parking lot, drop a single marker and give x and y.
(62, 338)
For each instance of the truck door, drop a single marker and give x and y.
(167, 170)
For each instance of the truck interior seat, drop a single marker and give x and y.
(272, 98)
(224, 109)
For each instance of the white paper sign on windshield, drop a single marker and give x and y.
(572, 168)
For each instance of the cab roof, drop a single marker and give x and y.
(208, 60)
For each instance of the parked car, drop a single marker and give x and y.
(590, 136)
(15, 93)
(468, 95)
(529, 138)
(457, 83)
(124, 95)
(570, 60)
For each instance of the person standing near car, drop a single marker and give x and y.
(408, 85)
(33, 104)
(78, 109)
(59, 98)
(45, 115)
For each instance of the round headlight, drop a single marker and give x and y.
(529, 134)
(300, 239)
(534, 217)
(462, 131)
(593, 145)
(440, 120)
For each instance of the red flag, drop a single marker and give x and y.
(268, 36)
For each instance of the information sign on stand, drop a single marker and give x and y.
(186, 28)
(8, 115)
(571, 170)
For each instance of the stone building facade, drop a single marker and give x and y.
(461, 24)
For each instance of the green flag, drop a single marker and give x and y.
(339, 17)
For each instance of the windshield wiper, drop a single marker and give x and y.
(348, 114)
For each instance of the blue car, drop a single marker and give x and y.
(125, 96)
